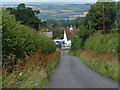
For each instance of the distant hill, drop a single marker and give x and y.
(56, 10)
(39, 3)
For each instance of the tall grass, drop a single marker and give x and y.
(23, 46)
(103, 43)
(100, 52)
(19, 40)
(36, 71)
(105, 64)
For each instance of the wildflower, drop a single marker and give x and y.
(21, 73)
(14, 76)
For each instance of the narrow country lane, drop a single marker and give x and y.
(73, 73)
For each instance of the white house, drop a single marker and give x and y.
(68, 35)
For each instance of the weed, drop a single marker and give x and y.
(106, 64)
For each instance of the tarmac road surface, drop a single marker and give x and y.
(73, 73)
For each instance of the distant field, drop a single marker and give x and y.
(57, 12)
(75, 16)
(14, 6)
(61, 14)
(66, 10)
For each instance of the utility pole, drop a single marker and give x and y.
(90, 27)
(118, 17)
(103, 22)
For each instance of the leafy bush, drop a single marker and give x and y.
(78, 41)
(36, 71)
(103, 43)
(94, 16)
(106, 64)
(83, 33)
(19, 39)
(97, 42)
(27, 16)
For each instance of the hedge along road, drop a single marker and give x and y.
(73, 73)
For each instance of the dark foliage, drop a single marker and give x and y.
(27, 16)
(94, 17)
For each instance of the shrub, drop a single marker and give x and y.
(106, 64)
(83, 33)
(78, 41)
(103, 43)
(18, 39)
(36, 71)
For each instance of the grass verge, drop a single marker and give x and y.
(106, 64)
(34, 74)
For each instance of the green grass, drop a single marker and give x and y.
(100, 52)
(37, 78)
(103, 43)
(36, 71)
(0, 80)
(106, 65)
(27, 80)
(98, 42)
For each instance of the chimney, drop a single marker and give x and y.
(74, 27)
(71, 28)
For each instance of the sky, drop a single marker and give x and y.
(51, 0)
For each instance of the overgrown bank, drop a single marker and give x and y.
(103, 43)
(35, 73)
(28, 58)
(100, 52)
(97, 41)
(106, 64)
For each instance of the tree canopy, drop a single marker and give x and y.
(19, 39)
(94, 17)
(27, 16)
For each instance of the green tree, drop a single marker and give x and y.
(79, 22)
(57, 33)
(94, 17)
(18, 39)
(78, 41)
(55, 24)
(26, 15)
(21, 6)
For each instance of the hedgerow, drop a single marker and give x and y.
(18, 39)
(103, 43)
(76, 43)
(97, 41)
(35, 72)
(79, 40)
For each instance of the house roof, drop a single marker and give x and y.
(70, 33)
